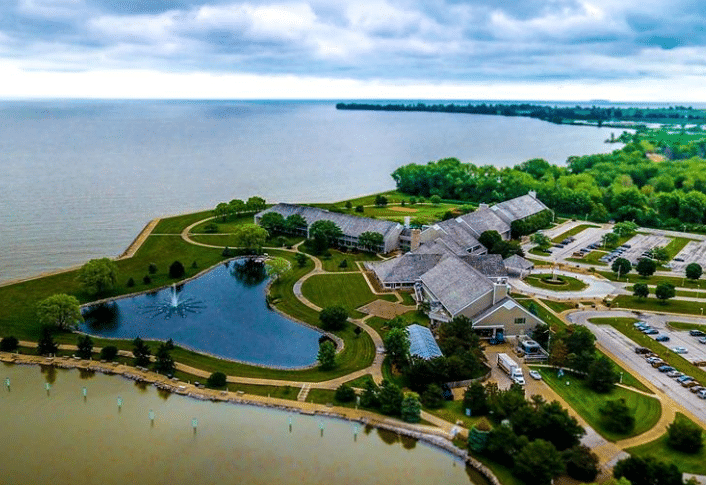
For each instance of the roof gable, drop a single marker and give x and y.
(455, 284)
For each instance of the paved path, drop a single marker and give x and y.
(598, 287)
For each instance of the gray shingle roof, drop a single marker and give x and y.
(484, 219)
(422, 342)
(456, 284)
(350, 225)
(509, 304)
(491, 265)
(404, 269)
(460, 234)
(518, 262)
(519, 207)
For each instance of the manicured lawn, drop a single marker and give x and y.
(685, 462)
(568, 283)
(548, 317)
(586, 402)
(558, 306)
(452, 411)
(675, 360)
(174, 225)
(333, 263)
(654, 280)
(407, 298)
(347, 290)
(539, 252)
(591, 258)
(572, 232)
(687, 326)
(653, 304)
(285, 392)
(676, 245)
(380, 324)
(425, 212)
(230, 225)
(360, 381)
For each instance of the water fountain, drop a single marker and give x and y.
(173, 304)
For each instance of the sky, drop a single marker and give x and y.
(625, 50)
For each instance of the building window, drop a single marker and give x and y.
(519, 321)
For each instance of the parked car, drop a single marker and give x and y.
(662, 338)
(674, 374)
(702, 393)
(696, 389)
(535, 375)
(657, 363)
(690, 384)
(642, 350)
(665, 368)
(446, 391)
(680, 350)
(702, 340)
(639, 322)
(683, 379)
(696, 333)
(651, 360)
(650, 331)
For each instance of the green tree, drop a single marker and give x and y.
(435, 199)
(693, 271)
(349, 205)
(684, 435)
(610, 239)
(504, 445)
(109, 353)
(85, 347)
(333, 318)
(164, 363)
(621, 266)
(617, 416)
(276, 267)
(380, 200)
(625, 228)
(538, 463)
(327, 355)
(433, 397)
(46, 344)
(474, 398)
(489, 239)
(250, 236)
(236, 206)
(360, 209)
(390, 396)
(272, 222)
(256, 203)
(397, 346)
(301, 259)
(646, 267)
(325, 234)
(344, 393)
(61, 310)
(294, 223)
(601, 375)
(640, 290)
(581, 463)
(221, 211)
(141, 352)
(9, 344)
(665, 291)
(411, 408)
(176, 270)
(152, 268)
(370, 240)
(216, 380)
(370, 397)
(98, 276)
(660, 254)
(541, 240)
(647, 471)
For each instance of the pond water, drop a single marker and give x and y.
(222, 313)
(59, 437)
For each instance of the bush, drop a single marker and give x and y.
(581, 463)
(9, 344)
(130, 283)
(435, 199)
(617, 416)
(433, 398)
(345, 393)
(216, 380)
(343, 264)
(147, 280)
(211, 228)
(176, 270)
(152, 268)
(359, 208)
(683, 435)
(194, 265)
(333, 318)
(109, 353)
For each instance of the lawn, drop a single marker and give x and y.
(284, 392)
(425, 212)
(333, 263)
(591, 258)
(625, 327)
(407, 298)
(676, 245)
(586, 402)
(573, 231)
(655, 305)
(558, 306)
(687, 463)
(568, 283)
(347, 290)
(229, 226)
(176, 224)
(654, 280)
(452, 411)
(380, 324)
(548, 317)
(687, 326)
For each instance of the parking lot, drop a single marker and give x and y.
(679, 338)
(581, 240)
(640, 244)
(693, 252)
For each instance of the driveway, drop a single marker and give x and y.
(597, 287)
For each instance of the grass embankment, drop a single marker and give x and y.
(347, 290)
(656, 279)
(573, 231)
(655, 305)
(333, 262)
(625, 327)
(558, 306)
(676, 245)
(685, 462)
(687, 326)
(176, 224)
(586, 402)
(565, 283)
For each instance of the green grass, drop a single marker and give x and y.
(586, 402)
(380, 324)
(230, 225)
(687, 326)
(675, 360)
(613, 321)
(407, 298)
(280, 392)
(425, 212)
(176, 224)
(591, 258)
(653, 304)
(572, 232)
(360, 382)
(558, 306)
(539, 252)
(569, 283)
(654, 280)
(676, 245)
(347, 290)
(333, 262)
(453, 411)
(548, 317)
(685, 462)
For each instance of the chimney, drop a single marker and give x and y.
(415, 239)
(407, 220)
(499, 290)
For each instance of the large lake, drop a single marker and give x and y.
(79, 179)
(61, 438)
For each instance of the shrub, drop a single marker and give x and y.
(683, 435)
(217, 379)
(359, 208)
(345, 393)
(130, 282)
(435, 199)
(343, 264)
(581, 463)
(194, 265)
(433, 398)
(617, 416)
(333, 318)
(9, 344)
(348, 204)
(147, 280)
(152, 268)
(211, 228)
(176, 270)
(109, 353)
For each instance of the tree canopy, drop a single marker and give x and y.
(250, 236)
(61, 310)
(98, 276)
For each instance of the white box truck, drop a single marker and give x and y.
(512, 369)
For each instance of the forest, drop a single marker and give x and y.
(658, 179)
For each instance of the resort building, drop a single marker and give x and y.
(351, 226)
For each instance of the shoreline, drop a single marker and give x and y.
(427, 434)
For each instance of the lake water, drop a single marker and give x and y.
(61, 438)
(79, 179)
(222, 313)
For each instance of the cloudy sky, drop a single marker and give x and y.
(629, 50)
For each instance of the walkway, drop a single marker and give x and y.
(598, 287)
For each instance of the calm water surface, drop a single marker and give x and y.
(223, 313)
(79, 179)
(60, 438)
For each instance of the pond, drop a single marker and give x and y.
(223, 313)
(61, 437)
